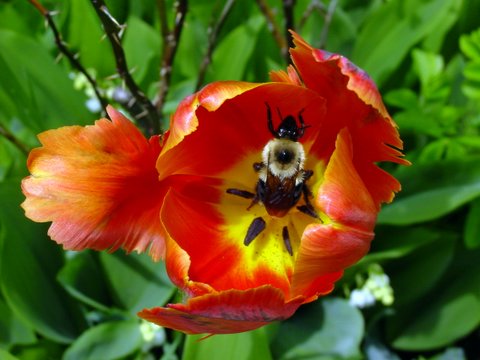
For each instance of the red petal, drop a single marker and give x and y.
(98, 185)
(326, 250)
(226, 312)
(234, 131)
(353, 101)
(211, 97)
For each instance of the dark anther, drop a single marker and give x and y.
(286, 240)
(255, 228)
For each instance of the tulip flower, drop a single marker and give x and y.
(258, 199)
(98, 185)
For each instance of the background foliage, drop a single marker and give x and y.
(424, 56)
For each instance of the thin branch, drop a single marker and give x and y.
(170, 46)
(327, 22)
(273, 27)
(148, 119)
(65, 51)
(213, 31)
(288, 7)
(162, 12)
(10, 137)
(315, 5)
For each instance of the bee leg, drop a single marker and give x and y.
(242, 193)
(308, 207)
(255, 228)
(308, 210)
(307, 174)
(258, 166)
(286, 240)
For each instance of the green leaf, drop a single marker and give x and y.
(6, 161)
(402, 98)
(327, 329)
(424, 267)
(395, 28)
(454, 353)
(6, 356)
(433, 190)
(448, 314)
(142, 46)
(470, 45)
(250, 345)
(28, 266)
(36, 95)
(472, 225)
(233, 52)
(43, 349)
(85, 36)
(12, 330)
(107, 341)
(472, 71)
(82, 278)
(395, 243)
(428, 65)
(136, 281)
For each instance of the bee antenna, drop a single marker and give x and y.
(269, 120)
(279, 114)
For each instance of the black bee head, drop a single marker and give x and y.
(288, 129)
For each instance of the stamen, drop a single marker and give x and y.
(242, 193)
(255, 228)
(286, 240)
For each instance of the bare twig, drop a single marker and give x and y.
(10, 137)
(315, 5)
(68, 54)
(170, 45)
(148, 119)
(288, 6)
(273, 27)
(328, 20)
(213, 31)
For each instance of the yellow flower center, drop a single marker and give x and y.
(275, 239)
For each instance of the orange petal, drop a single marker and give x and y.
(98, 185)
(343, 196)
(327, 249)
(225, 312)
(354, 102)
(290, 76)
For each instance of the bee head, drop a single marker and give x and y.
(288, 128)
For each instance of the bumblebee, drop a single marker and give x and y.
(281, 176)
